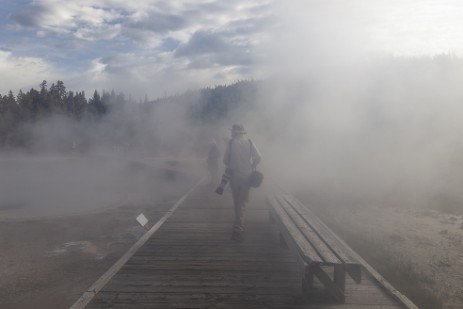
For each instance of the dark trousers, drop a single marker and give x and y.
(240, 191)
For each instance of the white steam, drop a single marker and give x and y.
(343, 121)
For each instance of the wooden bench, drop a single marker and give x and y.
(317, 248)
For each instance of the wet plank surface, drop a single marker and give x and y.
(190, 262)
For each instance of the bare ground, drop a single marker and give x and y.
(419, 250)
(49, 263)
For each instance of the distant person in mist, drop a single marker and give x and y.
(213, 156)
(241, 157)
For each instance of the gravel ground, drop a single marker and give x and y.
(419, 250)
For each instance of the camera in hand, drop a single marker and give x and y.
(223, 183)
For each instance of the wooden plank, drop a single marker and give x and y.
(364, 298)
(280, 257)
(203, 249)
(163, 276)
(170, 226)
(198, 300)
(101, 282)
(215, 215)
(194, 279)
(311, 235)
(210, 266)
(220, 288)
(293, 234)
(322, 230)
(191, 285)
(206, 235)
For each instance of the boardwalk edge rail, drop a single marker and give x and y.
(88, 295)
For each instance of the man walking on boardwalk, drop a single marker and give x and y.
(241, 157)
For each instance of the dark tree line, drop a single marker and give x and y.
(214, 104)
(210, 105)
(19, 114)
(29, 107)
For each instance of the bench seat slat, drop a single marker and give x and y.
(318, 225)
(314, 245)
(302, 245)
(312, 236)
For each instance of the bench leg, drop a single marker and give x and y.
(340, 277)
(355, 271)
(333, 288)
(307, 280)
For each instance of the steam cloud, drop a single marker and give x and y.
(350, 124)
(334, 118)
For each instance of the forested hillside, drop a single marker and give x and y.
(53, 118)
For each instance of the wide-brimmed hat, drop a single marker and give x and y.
(238, 129)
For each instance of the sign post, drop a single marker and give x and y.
(142, 220)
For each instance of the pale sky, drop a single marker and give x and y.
(169, 46)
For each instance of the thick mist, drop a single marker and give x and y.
(383, 130)
(348, 124)
(135, 155)
(382, 133)
(335, 118)
(59, 185)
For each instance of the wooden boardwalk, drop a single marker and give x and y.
(190, 262)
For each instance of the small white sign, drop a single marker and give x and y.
(142, 219)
